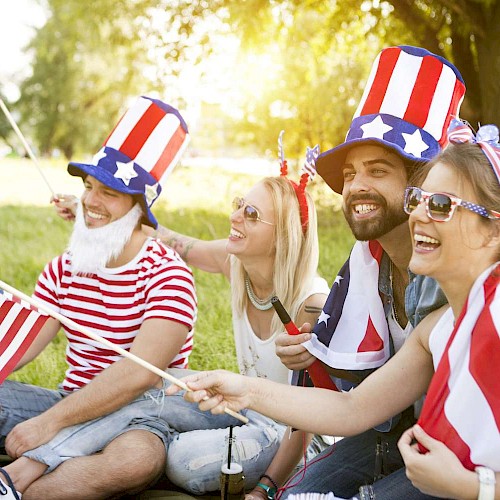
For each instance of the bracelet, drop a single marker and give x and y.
(487, 482)
(269, 478)
(270, 490)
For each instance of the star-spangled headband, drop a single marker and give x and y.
(486, 138)
(308, 173)
(408, 101)
(141, 151)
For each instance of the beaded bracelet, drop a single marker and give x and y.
(269, 478)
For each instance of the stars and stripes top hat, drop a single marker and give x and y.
(141, 151)
(409, 99)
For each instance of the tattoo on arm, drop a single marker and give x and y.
(312, 309)
(181, 244)
(184, 253)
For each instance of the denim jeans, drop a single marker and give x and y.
(199, 445)
(350, 463)
(20, 402)
(196, 441)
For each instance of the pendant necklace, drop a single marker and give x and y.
(260, 304)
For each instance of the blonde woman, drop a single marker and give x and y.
(272, 249)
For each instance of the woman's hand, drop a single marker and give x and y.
(256, 494)
(65, 205)
(216, 390)
(438, 472)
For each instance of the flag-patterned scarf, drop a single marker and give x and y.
(462, 407)
(352, 332)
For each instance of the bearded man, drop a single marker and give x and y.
(126, 287)
(375, 301)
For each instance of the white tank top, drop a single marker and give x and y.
(398, 334)
(257, 357)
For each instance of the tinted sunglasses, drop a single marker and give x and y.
(250, 213)
(440, 207)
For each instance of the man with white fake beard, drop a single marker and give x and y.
(127, 288)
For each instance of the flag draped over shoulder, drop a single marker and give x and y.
(19, 326)
(352, 332)
(462, 406)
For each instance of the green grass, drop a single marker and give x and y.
(32, 235)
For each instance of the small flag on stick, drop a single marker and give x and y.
(19, 326)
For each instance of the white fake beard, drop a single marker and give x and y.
(92, 249)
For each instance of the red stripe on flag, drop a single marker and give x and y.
(142, 130)
(169, 153)
(371, 341)
(18, 328)
(423, 92)
(433, 418)
(485, 340)
(376, 250)
(385, 68)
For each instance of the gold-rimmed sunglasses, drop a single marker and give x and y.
(250, 213)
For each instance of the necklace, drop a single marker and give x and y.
(260, 304)
(393, 298)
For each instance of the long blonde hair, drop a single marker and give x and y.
(296, 252)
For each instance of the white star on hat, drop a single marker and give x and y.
(151, 193)
(375, 129)
(125, 171)
(323, 317)
(98, 156)
(338, 279)
(414, 144)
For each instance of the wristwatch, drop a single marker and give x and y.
(487, 483)
(270, 490)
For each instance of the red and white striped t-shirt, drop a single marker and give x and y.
(113, 304)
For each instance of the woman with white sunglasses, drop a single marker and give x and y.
(272, 249)
(452, 356)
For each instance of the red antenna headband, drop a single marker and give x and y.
(308, 173)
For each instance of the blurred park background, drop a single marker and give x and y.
(239, 71)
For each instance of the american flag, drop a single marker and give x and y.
(310, 163)
(19, 326)
(462, 406)
(351, 332)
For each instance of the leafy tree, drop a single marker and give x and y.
(464, 31)
(320, 71)
(90, 57)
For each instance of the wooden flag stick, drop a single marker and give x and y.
(71, 324)
(25, 143)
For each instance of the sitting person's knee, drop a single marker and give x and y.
(140, 449)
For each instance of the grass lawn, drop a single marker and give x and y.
(194, 202)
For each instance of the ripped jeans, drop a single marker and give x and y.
(196, 441)
(19, 402)
(199, 444)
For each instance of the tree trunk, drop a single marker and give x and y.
(466, 63)
(488, 57)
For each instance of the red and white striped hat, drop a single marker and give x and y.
(141, 151)
(409, 99)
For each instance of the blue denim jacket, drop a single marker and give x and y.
(422, 296)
